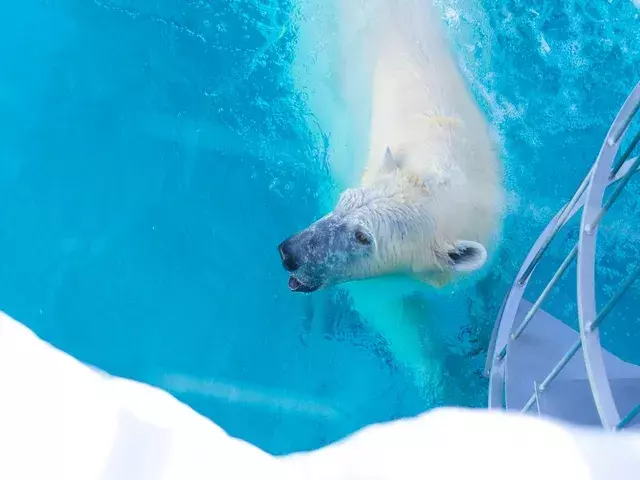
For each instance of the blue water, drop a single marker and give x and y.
(155, 152)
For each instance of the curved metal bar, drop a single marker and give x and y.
(558, 225)
(591, 347)
(545, 293)
(497, 370)
(614, 299)
(625, 155)
(517, 291)
(499, 373)
(625, 172)
(512, 300)
(566, 358)
(495, 366)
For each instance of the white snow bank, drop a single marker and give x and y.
(60, 419)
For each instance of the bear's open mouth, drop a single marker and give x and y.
(296, 285)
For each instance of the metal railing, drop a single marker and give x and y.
(606, 171)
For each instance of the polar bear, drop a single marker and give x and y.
(428, 206)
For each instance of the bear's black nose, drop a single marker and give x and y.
(289, 261)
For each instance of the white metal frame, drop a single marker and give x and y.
(589, 195)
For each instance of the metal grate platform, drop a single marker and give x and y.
(534, 362)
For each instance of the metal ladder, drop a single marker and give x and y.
(532, 358)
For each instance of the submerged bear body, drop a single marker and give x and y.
(429, 202)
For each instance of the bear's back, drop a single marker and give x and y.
(423, 110)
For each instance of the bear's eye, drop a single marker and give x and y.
(362, 238)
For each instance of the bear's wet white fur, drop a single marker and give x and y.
(430, 146)
(430, 199)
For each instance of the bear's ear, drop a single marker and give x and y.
(389, 163)
(467, 256)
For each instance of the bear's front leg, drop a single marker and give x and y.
(386, 307)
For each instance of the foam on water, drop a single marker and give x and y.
(155, 153)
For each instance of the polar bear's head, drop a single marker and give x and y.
(385, 227)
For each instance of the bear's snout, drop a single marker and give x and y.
(289, 260)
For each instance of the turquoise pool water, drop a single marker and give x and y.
(155, 153)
